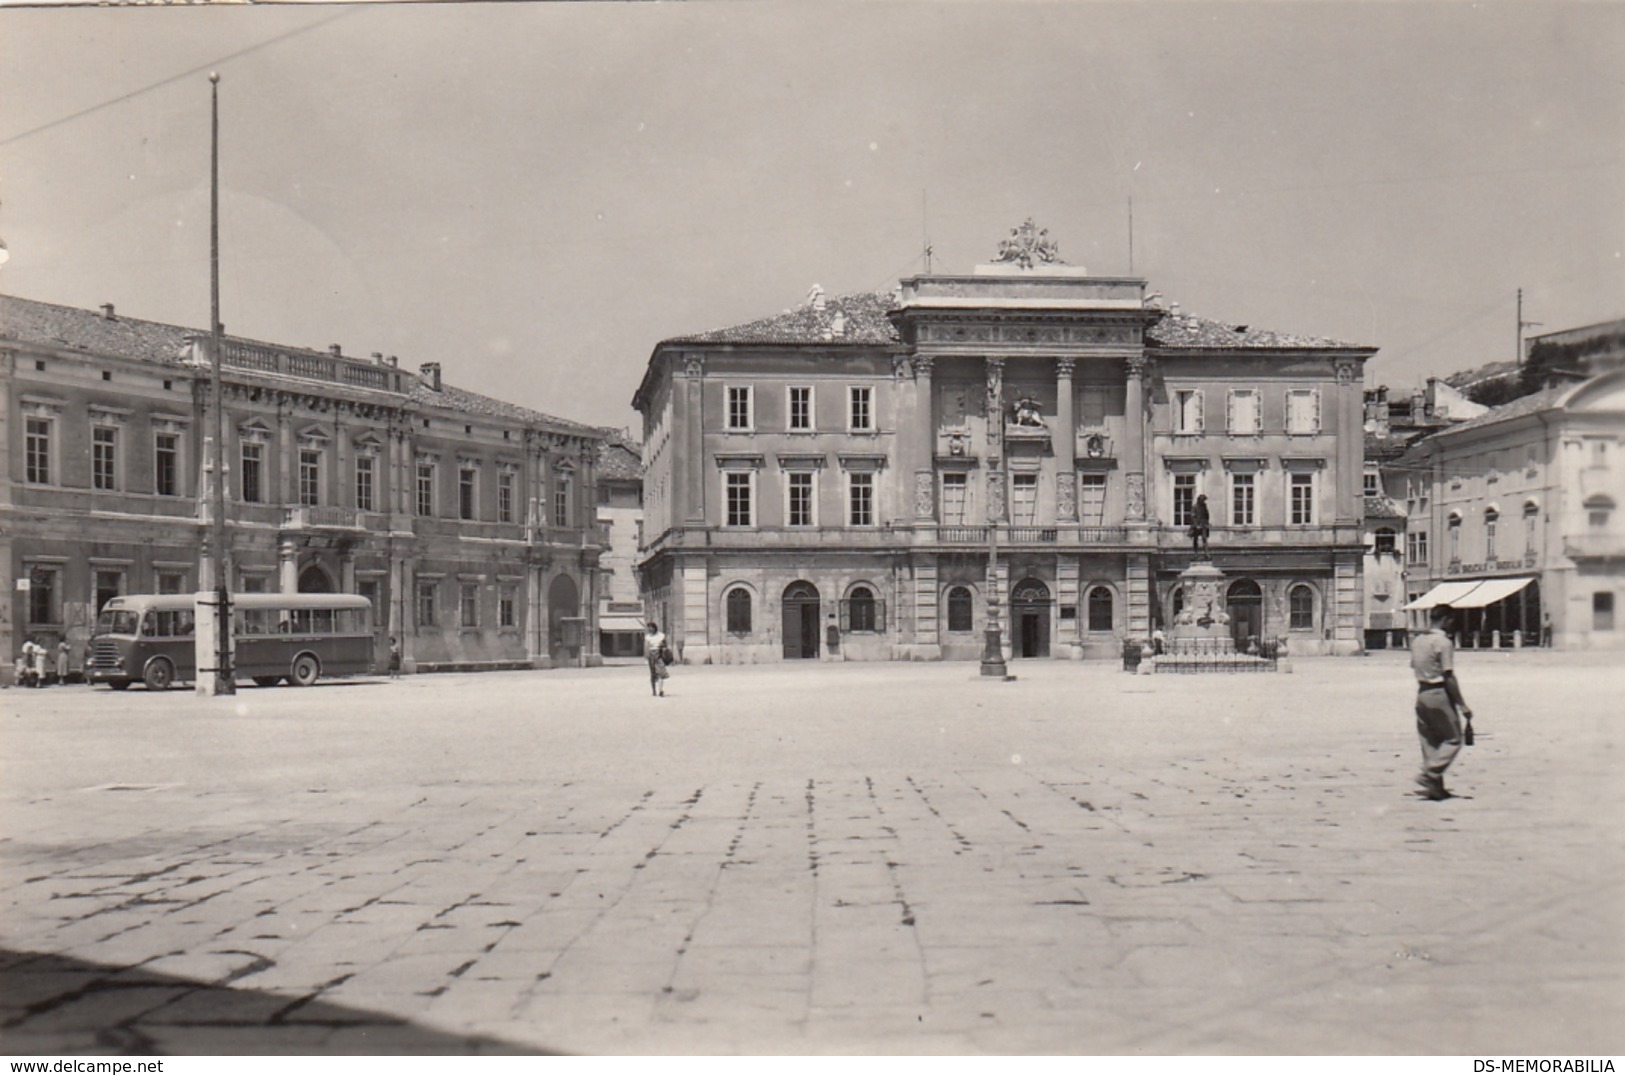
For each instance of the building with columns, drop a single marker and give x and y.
(469, 521)
(872, 476)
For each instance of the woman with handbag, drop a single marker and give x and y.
(658, 655)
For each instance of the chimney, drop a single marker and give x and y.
(431, 374)
(815, 297)
(334, 349)
(837, 325)
(377, 358)
(107, 312)
(393, 361)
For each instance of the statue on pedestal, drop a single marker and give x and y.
(1201, 524)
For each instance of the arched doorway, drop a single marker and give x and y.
(1029, 619)
(563, 604)
(800, 613)
(315, 579)
(1244, 602)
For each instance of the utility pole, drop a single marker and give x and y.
(218, 677)
(1522, 324)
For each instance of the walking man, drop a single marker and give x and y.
(1440, 711)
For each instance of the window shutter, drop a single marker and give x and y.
(1315, 395)
(880, 616)
(1230, 411)
(846, 615)
(1196, 399)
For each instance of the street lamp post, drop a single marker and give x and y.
(221, 678)
(993, 665)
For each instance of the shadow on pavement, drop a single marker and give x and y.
(52, 1004)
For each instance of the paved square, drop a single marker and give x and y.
(818, 858)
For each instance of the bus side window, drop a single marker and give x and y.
(149, 624)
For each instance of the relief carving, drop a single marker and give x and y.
(995, 495)
(1134, 488)
(1066, 496)
(924, 500)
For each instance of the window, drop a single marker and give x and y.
(44, 594)
(862, 610)
(739, 407)
(1371, 484)
(251, 482)
(801, 407)
(738, 498)
(959, 608)
(1491, 519)
(1531, 521)
(860, 499)
(425, 490)
(1598, 511)
(505, 483)
(1092, 406)
(253, 583)
(104, 457)
(1100, 609)
(1243, 417)
(800, 508)
(1092, 499)
(1303, 410)
(738, 610)
(1416, 547)
(1301, 500)
(1024, 499)
(1301, 608)
(1243, 500)
(171, 582)
(467, 482)
(561, 499)
(109, 584)
(953, 499)
(1599, 453)
(468, 604)
(426, 603)
(861, 413)
(1184, 498)
(166, 464)
(1387, 541)
(1187, 410)
(364, 465)
(1602, 611)
(507, 605)
(37, 451)
(1455, 539)
(310, 476)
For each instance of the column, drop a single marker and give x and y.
(402, 612)
(925, 442)
(1063, 442)
(287, 567)
(692, 432)
(1134, 440)
(284, 454)
(1350, 443)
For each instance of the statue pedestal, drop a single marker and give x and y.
(1202, 624)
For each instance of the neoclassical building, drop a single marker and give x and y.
(469, 521)
(871, 469)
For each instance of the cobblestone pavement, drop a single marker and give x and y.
(817, 859)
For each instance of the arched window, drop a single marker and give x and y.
(1100, 609)
(1387, 540)
(959, 609)
(1455, 537)
(860, 605)
(738, 602)
(1492, 517)
(1531, 521)
(1301, 607)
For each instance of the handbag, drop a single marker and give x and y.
(666, 654)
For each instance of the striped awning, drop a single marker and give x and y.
(1476, 593)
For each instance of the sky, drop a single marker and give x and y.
(536, 194)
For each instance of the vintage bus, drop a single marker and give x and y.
(149, 638)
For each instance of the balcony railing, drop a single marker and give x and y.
(1594, 546)
(321, 517)
(334, 368)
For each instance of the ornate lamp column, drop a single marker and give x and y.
(993, 664)
(925, 422)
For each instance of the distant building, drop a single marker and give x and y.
(467, 520)
(620, 517)
(1518, 513)
(857, 477)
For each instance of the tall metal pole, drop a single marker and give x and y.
(224, 677)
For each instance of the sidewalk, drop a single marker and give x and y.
(817, 859)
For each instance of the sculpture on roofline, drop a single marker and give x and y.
(1029, 244)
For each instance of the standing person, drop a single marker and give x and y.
(394, 658)
(41, 657)
(656, 653)
(62, 663)
(24, 662)
(1440, 711)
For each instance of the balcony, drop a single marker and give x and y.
(323, 517)
(1594, 546)
(335, 369)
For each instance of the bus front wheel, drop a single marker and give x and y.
(305, 670)
(119, 684)
(159, 674)
(267, 681)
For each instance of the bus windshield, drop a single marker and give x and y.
(116, 621)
